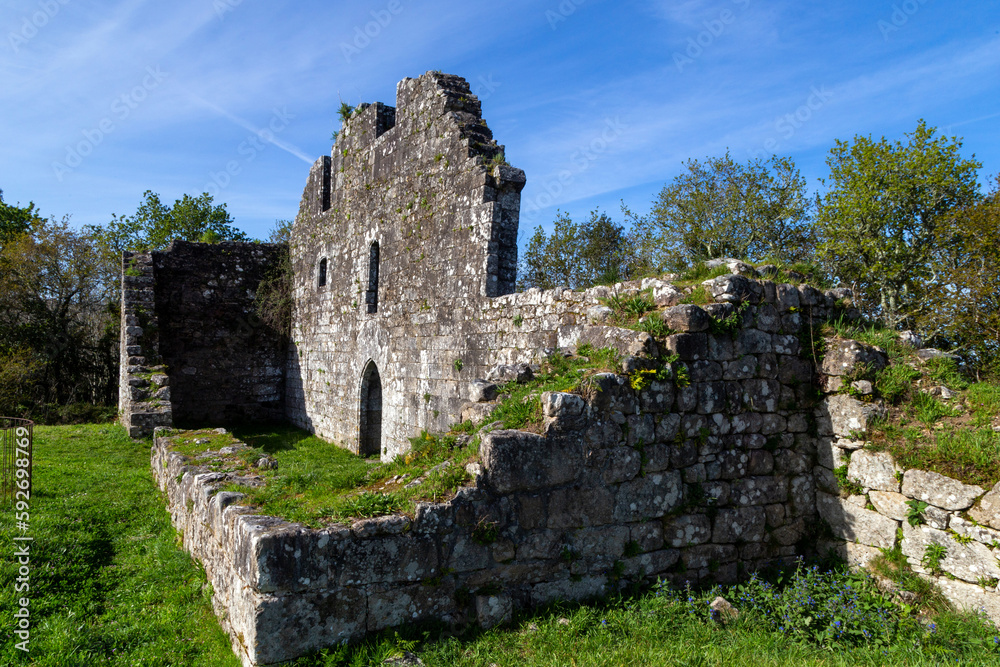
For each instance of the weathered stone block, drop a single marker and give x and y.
(759, 490)
(520, 461)
(493, 610)
(843, 415)
(844, 357)
(648, 535)
(849, 522)
(648, 497)
(987, 511)
(388, 559)
(969, 562)
(603, 544)
(743, 368)
(707, 555)
(938, 490)
(745, 524)
(874, 470)
(734, 289)
(652, 563)
(576, 507)
(688, 346)
(481, 391)
(686, 318)
(617, 464)
(753, 341)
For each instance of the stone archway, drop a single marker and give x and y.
(370, 422)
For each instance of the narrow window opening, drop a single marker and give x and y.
(370, 426)
(371, 296)
(324, 195)
(322, 272)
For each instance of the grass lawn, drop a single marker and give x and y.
(110, 586)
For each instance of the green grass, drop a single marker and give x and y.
(318, 482)
(109, 585)
(806, 617)
(968, 455)
(954, 437)
(627, 310)
(520, 404)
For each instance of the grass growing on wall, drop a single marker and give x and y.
(318, 482)
(109, 585)
(953, 437)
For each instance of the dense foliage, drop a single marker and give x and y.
(903, 223)
(60, 296)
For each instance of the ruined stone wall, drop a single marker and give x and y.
(194, 350)
(700, 480)
(694, 482)
(426, 183)
(143, 391)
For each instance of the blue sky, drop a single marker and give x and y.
(598, 101)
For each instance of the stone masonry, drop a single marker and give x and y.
(194, 351)
(403, 260)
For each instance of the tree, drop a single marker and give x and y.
(722, 208)
(577, 255)
(54, 317)
(15, 219)
(154, 225)
(880, 217)
(963, 310)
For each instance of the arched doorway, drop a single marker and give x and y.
(370, 432)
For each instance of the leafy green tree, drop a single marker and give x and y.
(577, 255)
(880, 217)
(55, 321)
(15, 219)
(963, 309)
(724, 208)
(154, 225)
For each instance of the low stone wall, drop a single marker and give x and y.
(693, 481)
(962, 518)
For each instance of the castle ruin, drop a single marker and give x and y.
(404, 262)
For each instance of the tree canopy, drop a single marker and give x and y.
(594, 252)
(724, 208)
(880, 217)
(154, 225)
(15, 219)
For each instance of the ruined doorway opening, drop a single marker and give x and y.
(371, 296)
(370, 431)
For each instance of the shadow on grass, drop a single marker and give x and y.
(271, 438)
